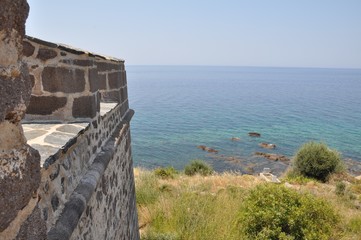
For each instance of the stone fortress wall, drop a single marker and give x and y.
(67, 81)
(85, 189)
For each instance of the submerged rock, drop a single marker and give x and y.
(273, 157)
(254, 134)
(205, 148)
(267, 145)
(235, 139)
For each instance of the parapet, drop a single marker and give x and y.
(69, 83)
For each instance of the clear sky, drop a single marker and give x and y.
(285, 33)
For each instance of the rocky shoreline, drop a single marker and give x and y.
(278, 163)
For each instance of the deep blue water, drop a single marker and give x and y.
(180, 107)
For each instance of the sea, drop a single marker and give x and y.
(178, 108)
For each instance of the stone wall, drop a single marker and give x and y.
(69, 83)
(86, 189)
(19, 163)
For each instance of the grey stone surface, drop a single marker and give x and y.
(85, 107)
(46, 54)
(93, 79)
(31, 134)
(15, 192)
(33, 228)
(15, 94)
(66, 128)
(60, 79)
(114, 80)
(45, 105)
(57, 138)
(28, 49)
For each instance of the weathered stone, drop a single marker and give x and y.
(46, 54)
(32, 80)
(106, 66)
(55, 173)
(21, 180)
(28, 49)
(85, 107)
(78, 62)
(110, 96)
(44, 105)
(94, 79)
(123, 94)
(114, 80)
(62, 185)
(60, 79)
(17, 139)
(71, 50)
(54, 202)
(13, 15)
(15, 94)
(33, 228)
(42, 42)
(102, 81)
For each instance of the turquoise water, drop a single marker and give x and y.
(178, 108)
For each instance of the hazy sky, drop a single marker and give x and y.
(290, 33)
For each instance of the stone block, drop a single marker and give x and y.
(46, 54)
(16, 191)
(86, 107)
(34, 227)
(60, 79)
(102, 81)
(114, 80)
(28, 49)
(110, 96)
(44, 105)
(15, 94)
(94, 79)
(123, 94)
(79, 62)
(106, 66)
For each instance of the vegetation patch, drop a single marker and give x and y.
(317, 161)
(276, 212)
(164, 173)
(198, 167)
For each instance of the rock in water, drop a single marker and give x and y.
(267, 145)
(254, 134)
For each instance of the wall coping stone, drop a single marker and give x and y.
(78, 200)
(71, 49)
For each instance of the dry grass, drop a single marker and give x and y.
(205, 207)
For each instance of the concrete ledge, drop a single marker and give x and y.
(78, 200)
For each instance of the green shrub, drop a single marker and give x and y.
(317, 161)
(165, 173)
(198, 167)
(276, 212)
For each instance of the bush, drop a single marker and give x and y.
(317, 161)
(165, 173)
(276, 212)
(198, 167)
